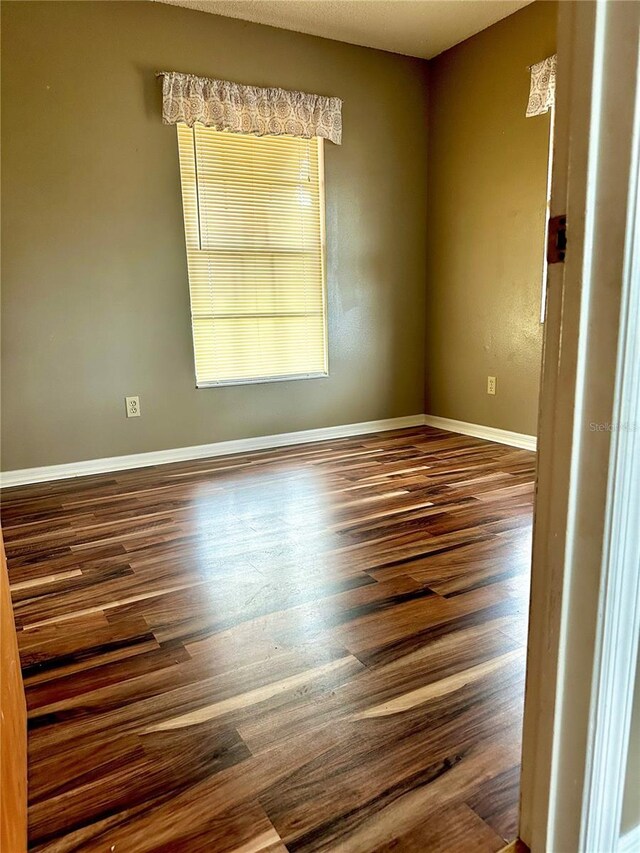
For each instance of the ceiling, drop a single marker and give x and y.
(422, 28)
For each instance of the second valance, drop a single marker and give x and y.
(542, 93)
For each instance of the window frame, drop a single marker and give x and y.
(257, 380)
(547, 216)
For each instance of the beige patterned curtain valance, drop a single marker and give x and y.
(542, 93)
(249, 109)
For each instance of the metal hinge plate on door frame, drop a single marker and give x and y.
(557, 239)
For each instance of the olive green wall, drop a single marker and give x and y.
(486, 205)
(94, 290)
(94, 287)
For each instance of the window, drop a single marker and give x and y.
(254, 227)
(547, 215)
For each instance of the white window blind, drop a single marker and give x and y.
(254, 227)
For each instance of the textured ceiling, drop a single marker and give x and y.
(421, 28)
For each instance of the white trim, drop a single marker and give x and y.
(46, 473)
(201, 451)
(501, 436)
(619, 610)
(630, 841)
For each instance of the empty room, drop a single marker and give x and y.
(274, 292)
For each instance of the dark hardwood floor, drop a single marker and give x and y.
(314, 648)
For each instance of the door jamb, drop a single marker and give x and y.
(585, 594)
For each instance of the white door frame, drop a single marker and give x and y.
(585, 593)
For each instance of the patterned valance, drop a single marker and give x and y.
(248, 109)
(542, 94)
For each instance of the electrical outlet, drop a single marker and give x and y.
(491, 385)
(133, 406)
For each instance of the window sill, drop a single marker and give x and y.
(263, 380)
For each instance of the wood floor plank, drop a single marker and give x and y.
(314, 648)
(448, 830)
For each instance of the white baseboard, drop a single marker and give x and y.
(244, 445)
(202, 451)
(501, 436)
(630, 841)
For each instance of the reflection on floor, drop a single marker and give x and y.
(314, 648)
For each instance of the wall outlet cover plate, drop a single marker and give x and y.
(133, 406)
